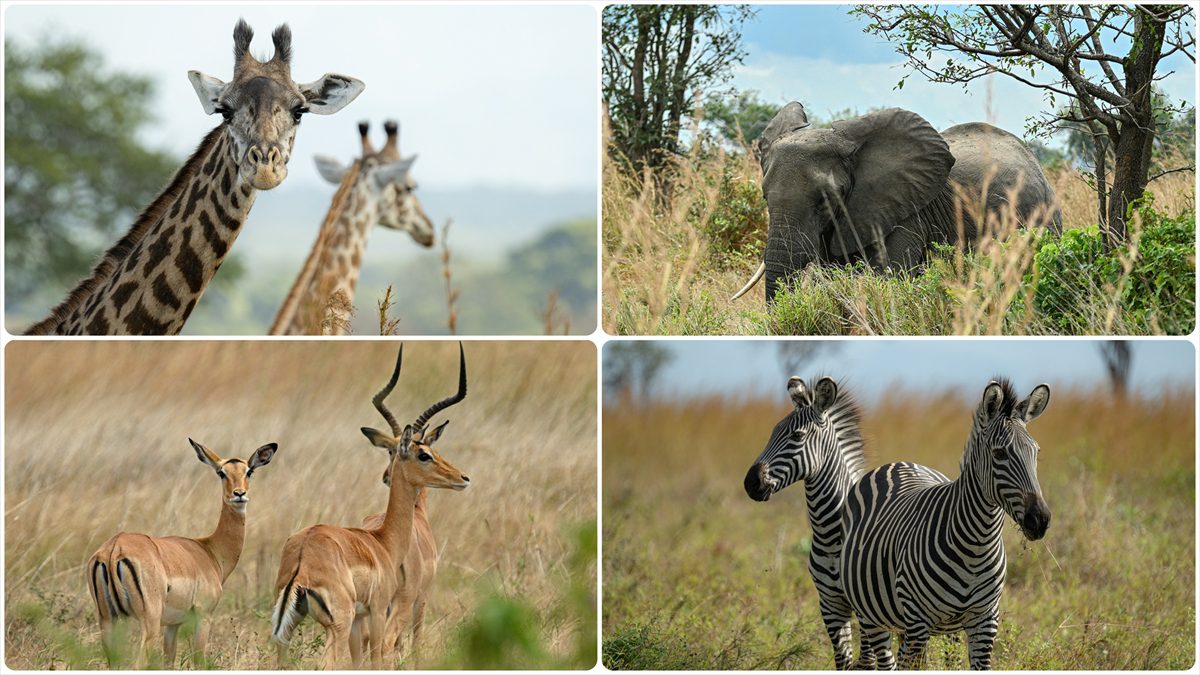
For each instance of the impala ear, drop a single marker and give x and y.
(207, 456)
(406, 441)
(262, 456)
(436, 433)
(378, 438)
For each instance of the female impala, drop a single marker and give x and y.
(346, 577)
(160, 580)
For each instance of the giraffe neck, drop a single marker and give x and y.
(337, 265)
(151, 279)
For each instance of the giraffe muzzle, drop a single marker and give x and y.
(265, 166)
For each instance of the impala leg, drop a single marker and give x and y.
(337, 635)
(417, 626)
(200, 641)
(281, 656)
(377, 624)
(981, 637)
(108, 641)
(170, 633)
(359, 641)
(152, 638)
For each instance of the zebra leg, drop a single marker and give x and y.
(876, 650)
(912, 648)
(981, 636)
(836, 615)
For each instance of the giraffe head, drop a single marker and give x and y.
(388, 178)
(262, 105)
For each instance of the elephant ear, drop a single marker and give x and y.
(790, 118)
(901, 163)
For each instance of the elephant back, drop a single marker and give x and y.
(983, 152)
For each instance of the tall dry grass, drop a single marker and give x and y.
(96, 443)
(696, 575)
(664, 275)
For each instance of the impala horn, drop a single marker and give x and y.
(758, 274)
(447, 402)
(387, 389)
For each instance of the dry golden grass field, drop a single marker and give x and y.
(673, 259)
(96, 442)
(696, 575)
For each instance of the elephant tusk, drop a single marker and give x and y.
(758, 274)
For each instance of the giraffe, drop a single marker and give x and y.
(149, 282)
(376, 188)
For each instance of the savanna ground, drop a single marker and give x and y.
(696, 575)
(96, 443)
(674, 256)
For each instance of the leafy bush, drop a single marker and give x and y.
(1154, 284)
(736, 225)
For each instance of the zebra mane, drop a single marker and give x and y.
(846, 416)
(1010, 396)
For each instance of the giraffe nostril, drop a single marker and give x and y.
(255, 155)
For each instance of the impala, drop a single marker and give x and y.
(346, 577)
(159, 581)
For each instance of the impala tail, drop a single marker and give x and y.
(116, 586)
(291, 607)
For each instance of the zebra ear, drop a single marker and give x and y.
(992, 403)
(798, 391)
(1033, 407)
(825, 393)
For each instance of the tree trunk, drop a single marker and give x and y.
(1134, 140)
(1100, 156)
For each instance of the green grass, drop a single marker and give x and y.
(698, 576)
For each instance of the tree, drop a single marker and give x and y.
(1065, 51)
(631, 368)
(1118, 361)
(740, 117)
(795, 354)
(75, 170)
(659, 63)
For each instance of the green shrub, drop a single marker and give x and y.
(736, 227)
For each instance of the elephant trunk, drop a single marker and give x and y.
(790, 248)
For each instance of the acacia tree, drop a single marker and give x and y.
(659, 61)
(1067, 51)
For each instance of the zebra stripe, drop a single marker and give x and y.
(924, 554)
(820, 444)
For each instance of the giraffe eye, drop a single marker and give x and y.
(297, 112)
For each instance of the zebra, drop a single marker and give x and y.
(924, 554)
(819, 443)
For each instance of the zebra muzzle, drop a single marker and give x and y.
(1037, 517)
(758, 485)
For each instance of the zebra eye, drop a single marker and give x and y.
(1000, 452)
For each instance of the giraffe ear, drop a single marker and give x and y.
(331, 93)
(330, 169)
(394, 172)
(208, 88)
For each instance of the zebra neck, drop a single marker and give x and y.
(973, 515)
(826, 496)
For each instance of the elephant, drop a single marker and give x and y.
(884, 187)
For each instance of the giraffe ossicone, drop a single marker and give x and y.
(149, 282)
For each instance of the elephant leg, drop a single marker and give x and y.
(903, 250)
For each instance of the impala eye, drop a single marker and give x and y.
(424, 456)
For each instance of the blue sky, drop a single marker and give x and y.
(819, 55)
(752, 368)
(499, 96)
